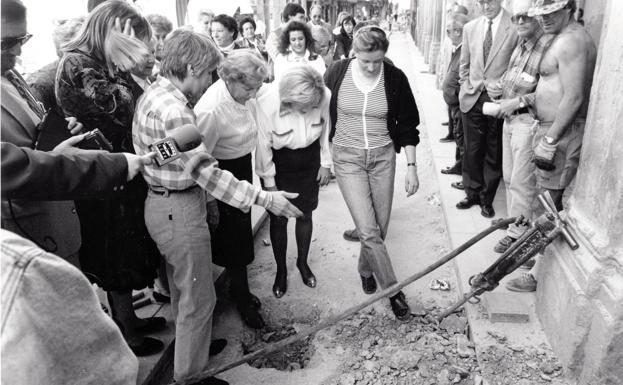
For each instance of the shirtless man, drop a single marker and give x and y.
(561, 104)
(562, 96)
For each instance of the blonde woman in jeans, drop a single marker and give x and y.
(374, 115)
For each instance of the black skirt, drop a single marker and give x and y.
(296, 171)
(117, 252)
(232, 240)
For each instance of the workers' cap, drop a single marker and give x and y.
(545, 7)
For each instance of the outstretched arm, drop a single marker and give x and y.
(31, 174)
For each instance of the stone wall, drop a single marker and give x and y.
(580, 293)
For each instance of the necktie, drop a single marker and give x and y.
(22, 88)
(486, 46)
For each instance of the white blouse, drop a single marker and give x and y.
(283, 62)
(278, 129)
(228, 128)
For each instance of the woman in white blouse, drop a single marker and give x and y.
(295, 47)
(226, 119)
(293, 155)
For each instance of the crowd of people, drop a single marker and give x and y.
(308, 104)
(517, 85)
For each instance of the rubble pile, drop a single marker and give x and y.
(294, 357)
(505, 363)
(388, 351)
(378, 349)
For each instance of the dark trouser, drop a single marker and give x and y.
(482, 161)
(451, 123)
(457, 131)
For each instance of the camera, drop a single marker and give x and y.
(95, 140)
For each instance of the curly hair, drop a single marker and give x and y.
(244, 21)
(228, 22)
(284, 41)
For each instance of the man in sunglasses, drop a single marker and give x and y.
(518, 85)
(53, 225)
(560, 105)
(488, 42)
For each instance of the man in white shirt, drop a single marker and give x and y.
(315, 16)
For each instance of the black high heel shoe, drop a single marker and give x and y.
(306, 274)
(281, 285)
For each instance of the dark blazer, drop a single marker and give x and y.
(38, 175)
(402, 113)
(53, 225)
(451, 84)
(343, 44)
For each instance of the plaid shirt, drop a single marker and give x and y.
(162, 108)
(522, 74)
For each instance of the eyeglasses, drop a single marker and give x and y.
(523, 17)
(453, 30)
(11, 42)
(485, 2)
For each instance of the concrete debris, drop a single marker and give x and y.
(454, 324)
(464, 347)
(433, 200)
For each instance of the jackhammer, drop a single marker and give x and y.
(541, 233)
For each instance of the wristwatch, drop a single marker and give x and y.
(549, 139)
(522, 104)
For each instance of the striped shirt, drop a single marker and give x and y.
(361, 116)
(522, 75)
(161, 109)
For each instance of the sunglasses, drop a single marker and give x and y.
(523, 17)
(11, 42)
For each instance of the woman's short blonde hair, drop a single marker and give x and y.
(369, 39)
(300, 88)
(243, 66)
(184, 47)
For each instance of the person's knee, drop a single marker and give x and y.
(306, 217)
(277, 222)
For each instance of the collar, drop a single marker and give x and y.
(293, 55)
(496, 20)
(457, 47)
(529, 44)
(229, 48)
(168, 86)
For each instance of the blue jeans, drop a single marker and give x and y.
(366, 180)
(177, 223)
(53, 328)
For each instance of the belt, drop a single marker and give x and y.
(520, 111)
(166, 192)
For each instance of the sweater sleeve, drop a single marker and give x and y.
(407, 117)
